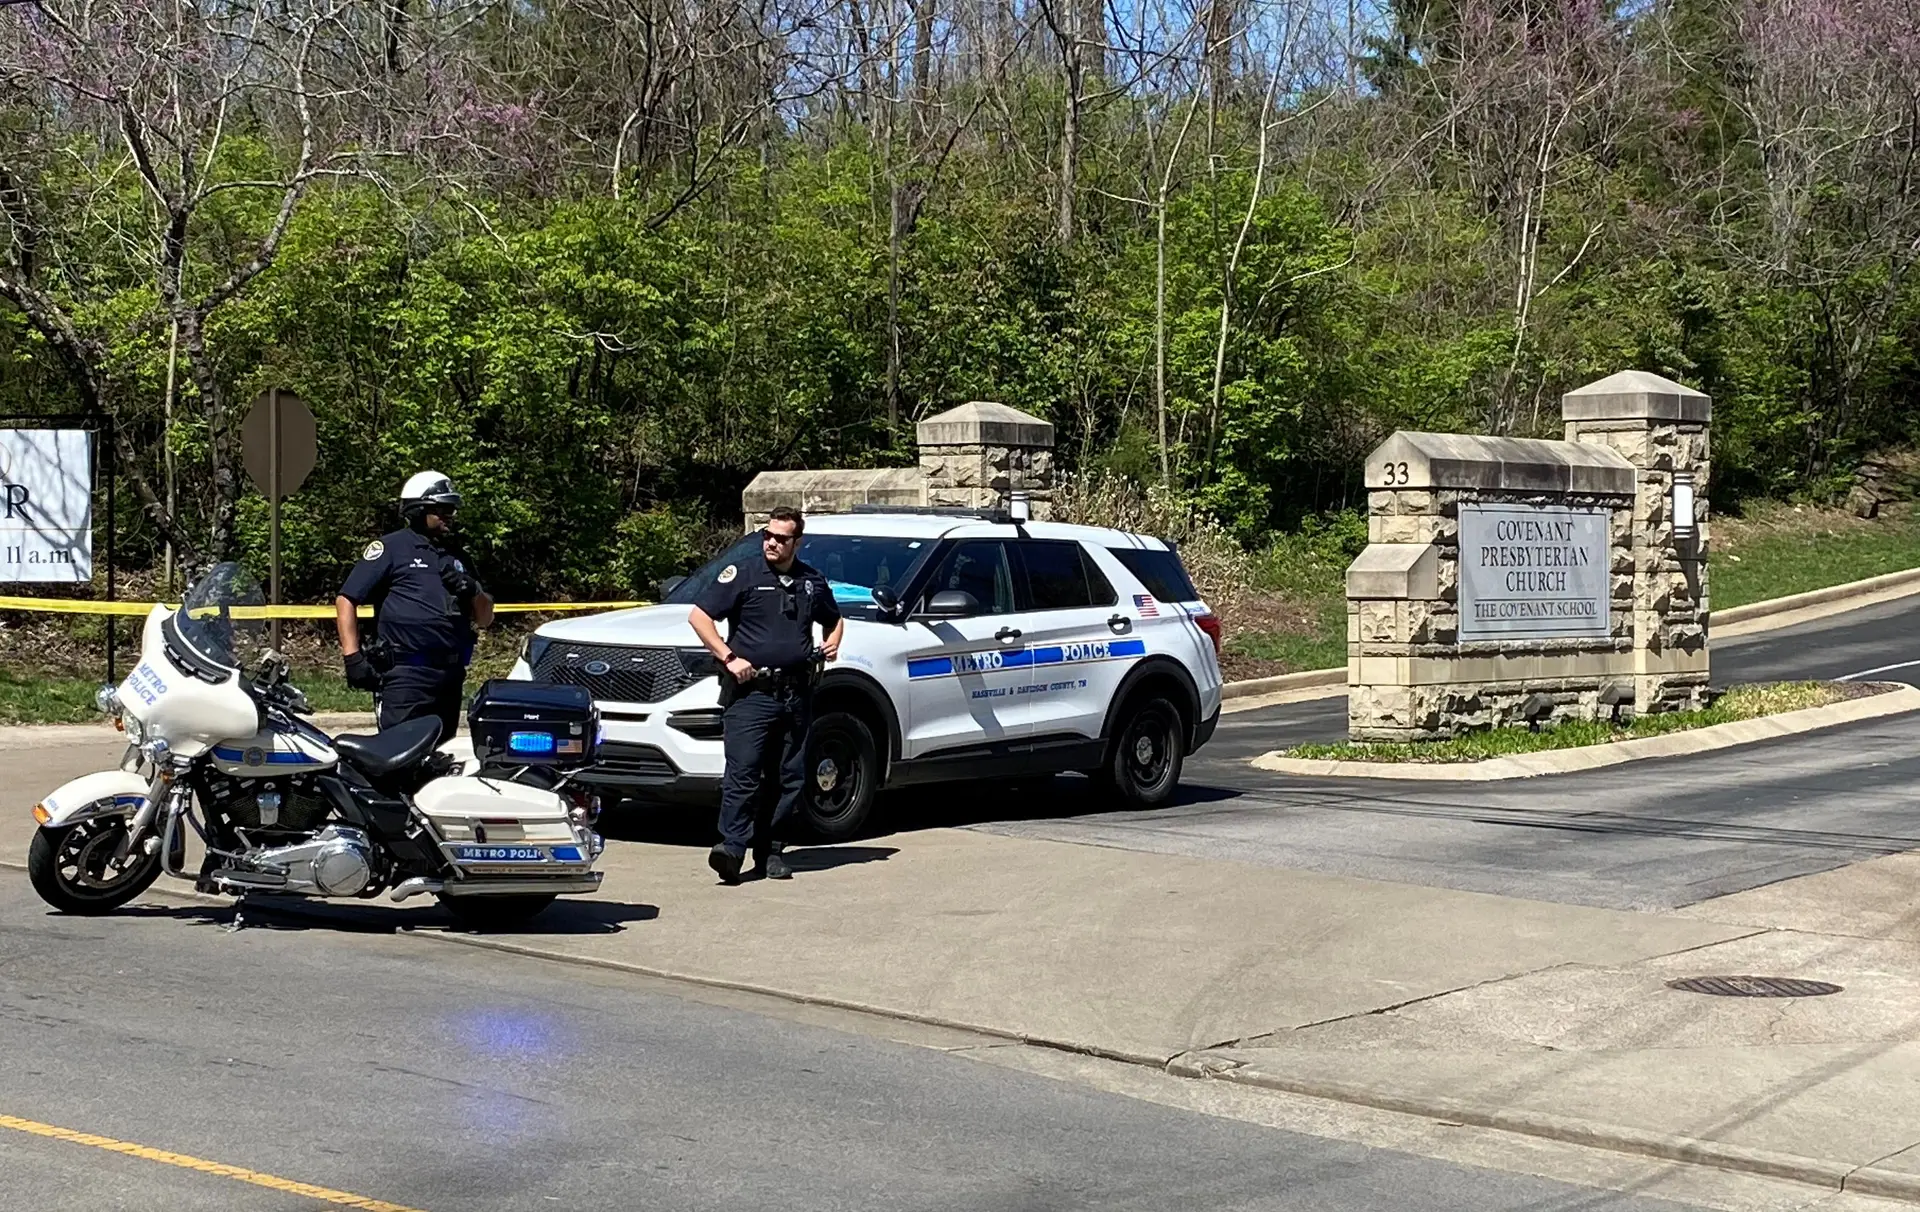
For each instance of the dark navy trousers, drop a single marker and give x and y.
(408, 692)
(766, 747)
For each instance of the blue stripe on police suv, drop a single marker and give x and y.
(1053, 654)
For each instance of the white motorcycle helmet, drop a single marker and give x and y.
(423, 490)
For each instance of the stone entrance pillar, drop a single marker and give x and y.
(1661, 428)
(977, 455)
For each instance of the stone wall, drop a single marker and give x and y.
(1661, 428)
(978, 455)
(832, 490)
(975, 456)
(1411, 676)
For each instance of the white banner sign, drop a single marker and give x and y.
(1533, 572)
(46, 505)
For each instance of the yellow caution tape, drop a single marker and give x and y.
(141, 609)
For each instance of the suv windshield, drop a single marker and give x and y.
(209, 623)
(854, 564)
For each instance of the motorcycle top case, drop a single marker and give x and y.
(517, 723)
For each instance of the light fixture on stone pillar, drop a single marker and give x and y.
(1536, 708)
(1617, 697)
(1683, 519)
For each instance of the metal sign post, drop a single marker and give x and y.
(278, 443)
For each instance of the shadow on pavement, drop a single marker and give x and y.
(565, 916)
(826, 858)
(958, 805)
(941, 806)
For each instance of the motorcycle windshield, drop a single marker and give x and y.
(213, 619)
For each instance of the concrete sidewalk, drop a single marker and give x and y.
(1541, 1018)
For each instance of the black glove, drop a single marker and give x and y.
(462, 585)
(361, 674)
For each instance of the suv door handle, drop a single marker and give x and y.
(1007, 633)
(1119, 623)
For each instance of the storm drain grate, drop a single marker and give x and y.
(1753, 986)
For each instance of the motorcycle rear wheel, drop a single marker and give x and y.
(71, 866)
(495, 912)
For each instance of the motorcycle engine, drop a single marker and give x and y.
(268, 806)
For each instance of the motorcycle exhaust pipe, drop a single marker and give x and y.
(414, 887)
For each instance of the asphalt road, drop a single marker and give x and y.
(1647, 835)
(435, 1076)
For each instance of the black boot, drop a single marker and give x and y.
(771, 862)
(725, 864)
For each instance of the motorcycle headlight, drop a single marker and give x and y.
(107, 699)
(136, 730)
(155, 751)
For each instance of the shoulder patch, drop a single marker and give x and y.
(728, 573)
(374, 550)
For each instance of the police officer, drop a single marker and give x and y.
(771, 606)
(426, 604)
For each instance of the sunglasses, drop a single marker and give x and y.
(768, 536)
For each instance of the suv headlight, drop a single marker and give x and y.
(533, 649)
(699, 663)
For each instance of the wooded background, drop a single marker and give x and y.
(602, 261)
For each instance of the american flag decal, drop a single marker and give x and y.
(1143, 602)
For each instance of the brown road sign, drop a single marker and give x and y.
(299, 446)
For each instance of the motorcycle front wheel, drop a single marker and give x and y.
(73, 869)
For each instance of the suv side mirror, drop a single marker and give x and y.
(669, 585)
(887, 601)
(952, 604)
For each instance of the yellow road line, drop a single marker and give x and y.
(341, 1199)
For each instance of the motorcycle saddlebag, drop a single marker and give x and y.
(516, 723)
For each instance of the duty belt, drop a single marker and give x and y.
(432, 660)
(789, 678)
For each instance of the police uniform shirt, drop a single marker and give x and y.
(770, 614)
(399, 576)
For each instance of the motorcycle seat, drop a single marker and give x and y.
(380, 755)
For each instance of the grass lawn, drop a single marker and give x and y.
(1297, 618)
(1777, 550)
(1739, 703)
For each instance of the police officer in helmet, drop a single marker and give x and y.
(771, 606)
(426, 604)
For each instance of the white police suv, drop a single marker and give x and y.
(975, 648)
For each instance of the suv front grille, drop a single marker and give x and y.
(626, 762)
(614, 673)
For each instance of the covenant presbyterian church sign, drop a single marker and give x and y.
(1533, 572)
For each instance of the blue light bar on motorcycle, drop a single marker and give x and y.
(530, 742)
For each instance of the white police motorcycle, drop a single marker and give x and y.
(279, 806)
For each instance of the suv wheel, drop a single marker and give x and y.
(843, 776)
(1144, 766)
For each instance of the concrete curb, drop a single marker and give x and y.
(1836, 1176)
(1904, 582)
(1900, 698)
(1334, 680)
